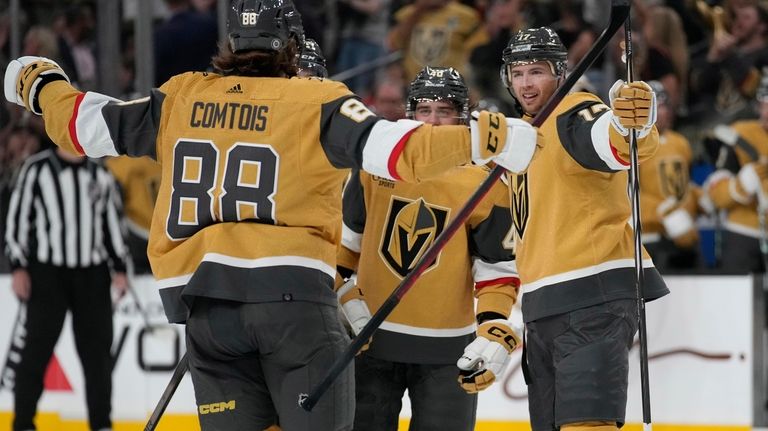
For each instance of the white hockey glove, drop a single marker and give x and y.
(26, 76)
(678, 223)
(509, 142)
(353, 305)
(486, 357)
(726, 134)
(633, 106)
(753, 180)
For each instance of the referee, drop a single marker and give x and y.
(64, 232)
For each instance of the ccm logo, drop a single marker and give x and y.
(216, 407)
(493, 133)
(504, 335)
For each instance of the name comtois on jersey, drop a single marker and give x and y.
(229, 115)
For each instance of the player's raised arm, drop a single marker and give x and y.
(91, 123)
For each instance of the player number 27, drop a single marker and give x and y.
(202, 195)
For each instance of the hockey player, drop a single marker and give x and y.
(387, 227)
(139, 180)
(669, 201)
(738, 186)
(248, 217)
(574, 243)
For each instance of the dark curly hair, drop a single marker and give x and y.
(257, 62)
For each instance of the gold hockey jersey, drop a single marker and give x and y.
(721, 184)
(664, 176)
(571, 213)
(139, 179)
(249, 204)
(389, 225)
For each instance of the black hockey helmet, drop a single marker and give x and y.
(438, 83)
(263, 24)
(533, 45)
(311, 59)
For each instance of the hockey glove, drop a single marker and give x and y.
(509, 142)
(26, 76)
(486, 357)
(678, 223)
(634, 107)
(353, 307)
(753, 181)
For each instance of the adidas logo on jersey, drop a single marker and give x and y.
(236, 89)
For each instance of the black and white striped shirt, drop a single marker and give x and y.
(66, 214)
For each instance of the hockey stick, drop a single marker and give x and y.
(162, 404)
(619, 12)
(634, 181)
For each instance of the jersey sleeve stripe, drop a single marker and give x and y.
(514, 281)
(73, 122)
(484, 272)
(602, 143)
(90, 126)
(395, 155)
(384, 146)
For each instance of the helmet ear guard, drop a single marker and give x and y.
(263, 24)
(438, 83)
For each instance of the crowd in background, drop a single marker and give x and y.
(707, 54)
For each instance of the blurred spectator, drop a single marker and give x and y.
(185, 42)
(729, 74)
(574, 32)
(205, 6)
(41, 41)
(654, 63)
(503, 19)
(663, 31)
(389, 100)
(436, 33)
(63, 227)
(738, 186)
(315, 22)
(669, 200)
(76, 46)
(364, 28)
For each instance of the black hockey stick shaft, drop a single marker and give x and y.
(619, 12)
(634, 180)
(162, 404)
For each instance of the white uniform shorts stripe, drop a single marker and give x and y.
(583, 272)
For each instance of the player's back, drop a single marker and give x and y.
(249, 202)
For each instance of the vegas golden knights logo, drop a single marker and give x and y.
(429, 44)
(411, 228)
(673, 178)
(519, 204)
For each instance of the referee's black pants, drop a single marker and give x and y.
(86, 292)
